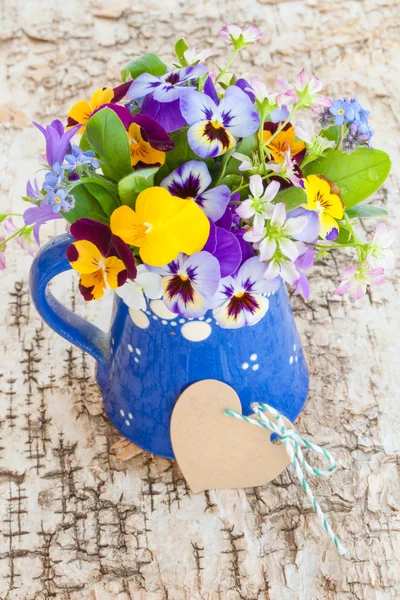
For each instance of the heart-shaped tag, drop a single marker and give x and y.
(216, 451)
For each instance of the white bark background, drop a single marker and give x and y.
(77, 523)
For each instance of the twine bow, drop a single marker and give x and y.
(293, 442)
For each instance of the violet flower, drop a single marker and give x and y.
(190, 181)
(213, 125)
(239, 300)
(189, 283)
(57, 140)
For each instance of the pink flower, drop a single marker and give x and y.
(287, 169)
(241, 37)
(10, 226)
(357, 278)
(2, 255)
(305, 91)
(378, 254)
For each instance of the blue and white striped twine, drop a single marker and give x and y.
(293, 441)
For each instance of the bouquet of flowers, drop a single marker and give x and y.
(206, 189)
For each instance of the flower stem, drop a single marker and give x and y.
(18, 232)
(228, 64)
(340, 137)
(322, 247)
(282, 125)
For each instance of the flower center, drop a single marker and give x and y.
(148, 226)
(172, 78)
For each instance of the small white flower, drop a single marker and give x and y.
(379, 254)
(192, 57)
(146, 284)
(259, 205)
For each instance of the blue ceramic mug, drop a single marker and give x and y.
(149, 357)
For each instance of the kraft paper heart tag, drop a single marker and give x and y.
(215, 451)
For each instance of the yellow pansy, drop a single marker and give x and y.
(282, 142)
(95, 269)
(323, 196)
(140, 150)
(161, 226)
(83, 110)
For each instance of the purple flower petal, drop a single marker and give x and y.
(238, 113)
(311, 230)
(226, 220)
(188, 180)
(214, 201)
(122, 250)
(227, 252)
(279, 114)
(156, 135)
(210, 90)
(39, 215)
(245, 87)
(93, 231)
(190, 290)
(166, 93)
(198, 107)
(121, 90)
(246, 248)
(169, 115)
(143, 85)
(211, 243)
(121, 111)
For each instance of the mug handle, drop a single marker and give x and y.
(49, 262)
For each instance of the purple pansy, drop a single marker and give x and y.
(161, 95)
(189, 283)
(239, 300)
(57, 140)
(168, 87)
(213, 126)
(226, 248)
(191, 180)
(168, 115)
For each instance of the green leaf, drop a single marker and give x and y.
(147, 63)
(86, 205)
(291, 197)
(362, 211)
(179, 154)
(130, 187)
(344, 235)
(358, 175)
(84, 144)
(332, 133)
(232, 180)
(105, 192)
(108, 138)
(180, 49)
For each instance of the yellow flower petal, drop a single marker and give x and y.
(140, 150)
(161, 226)
(88, 257)
(323, 195)
(96, 281)
(327, 224)
(100, 97)
(174, 225)
(113, 267)
(80, 112)
(280, 144)
(127, 225)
